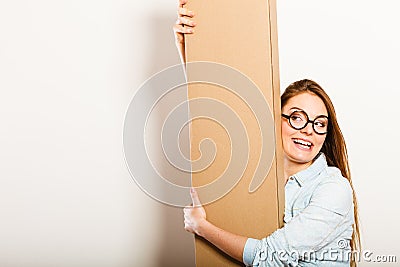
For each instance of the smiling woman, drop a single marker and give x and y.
(321, 215)
(321, 221)
(301, 144)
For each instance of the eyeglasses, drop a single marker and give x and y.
(299, 120)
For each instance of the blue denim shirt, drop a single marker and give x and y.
(319, 215)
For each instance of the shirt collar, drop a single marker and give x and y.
(309, 174)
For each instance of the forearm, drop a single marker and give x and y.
(230, 243)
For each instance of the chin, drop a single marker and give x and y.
(301, 157)
(300, 160)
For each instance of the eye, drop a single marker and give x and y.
(296, 118)
(321, 123)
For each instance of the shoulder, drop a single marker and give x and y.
(333, 177)
(333, 192)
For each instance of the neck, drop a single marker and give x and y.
(291, 167)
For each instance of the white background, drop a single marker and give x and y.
(351, 49)
(68, 70)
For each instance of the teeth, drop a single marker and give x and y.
(302, 142)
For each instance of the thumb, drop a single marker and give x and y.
(195, 197)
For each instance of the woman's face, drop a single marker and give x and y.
(301, 146)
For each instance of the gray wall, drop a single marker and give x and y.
(68, 71)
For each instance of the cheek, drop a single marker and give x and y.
(287, 133)
(320, 140)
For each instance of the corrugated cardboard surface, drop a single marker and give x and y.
(240, 34)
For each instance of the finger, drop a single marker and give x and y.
(181, 29)
(185, 12)
(195, 197)
(182, 2)
(185, 21)
(188, 229)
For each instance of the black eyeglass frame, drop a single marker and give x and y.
(307, 121)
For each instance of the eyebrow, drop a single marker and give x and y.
(296, 108)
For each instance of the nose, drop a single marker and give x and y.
(308, 129)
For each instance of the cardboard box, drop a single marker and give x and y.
(242, 36)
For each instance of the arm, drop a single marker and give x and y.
(316, 229)
(184, 25)
(196, 222)
(311, 230)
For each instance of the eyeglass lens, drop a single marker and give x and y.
(299, 120)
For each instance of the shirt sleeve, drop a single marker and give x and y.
(312, 229)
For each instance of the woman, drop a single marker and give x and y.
(321, 219)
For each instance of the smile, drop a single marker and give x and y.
(303, 143)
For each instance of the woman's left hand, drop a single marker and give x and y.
(194, 215)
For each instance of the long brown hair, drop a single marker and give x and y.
(334, 146)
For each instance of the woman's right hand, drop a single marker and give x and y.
(184, 25)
